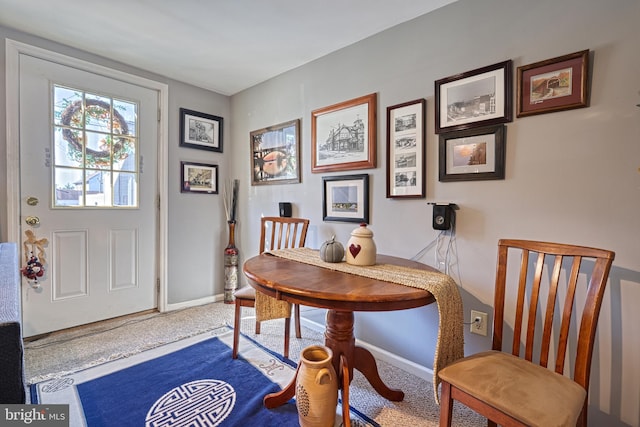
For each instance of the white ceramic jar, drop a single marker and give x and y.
(361, 249)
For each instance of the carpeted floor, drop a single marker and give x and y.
(76, 349)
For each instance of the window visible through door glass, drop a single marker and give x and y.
(95, 150)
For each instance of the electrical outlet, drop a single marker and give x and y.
(478, 323)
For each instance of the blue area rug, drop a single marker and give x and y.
(194, 382)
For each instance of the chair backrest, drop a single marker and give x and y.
(547, 280)
(282, 233)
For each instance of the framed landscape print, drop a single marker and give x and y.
(275, 154)
(345, 198)
(343, 136)
(553, 85)
(198, 178)
(406, 150)
(200, 130)
(472, 154)
(475, 98)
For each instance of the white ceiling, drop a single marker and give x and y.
(222, 45)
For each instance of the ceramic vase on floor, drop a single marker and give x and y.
(231, 254)
(316, 388)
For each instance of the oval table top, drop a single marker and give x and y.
(314, 286)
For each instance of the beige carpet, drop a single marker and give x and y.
(64, 352)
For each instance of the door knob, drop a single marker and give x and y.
(32, 220)
(32, 201)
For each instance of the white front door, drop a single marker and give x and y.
(88, 185)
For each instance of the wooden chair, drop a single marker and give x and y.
(511, 389)
(275, 233)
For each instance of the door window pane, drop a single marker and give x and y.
(125, 189)
(63, 99)
(98, 113)
(98, 189)
(94, 140)
(68, 187)
(129, 113)
(63, 155)
(126, 161)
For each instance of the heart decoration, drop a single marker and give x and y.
(355, 250)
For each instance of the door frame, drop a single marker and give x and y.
(13, 51)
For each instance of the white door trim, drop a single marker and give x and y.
(13, 51)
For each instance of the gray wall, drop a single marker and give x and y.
(195, 231)
(571, 176)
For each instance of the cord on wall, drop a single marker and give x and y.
(445, 253)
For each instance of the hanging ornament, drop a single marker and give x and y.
(33, 269)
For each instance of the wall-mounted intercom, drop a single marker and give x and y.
(285, 209)
(443, 215)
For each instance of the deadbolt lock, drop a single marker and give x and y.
(32, 201)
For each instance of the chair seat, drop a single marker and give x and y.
(526, 391)
(246, 292)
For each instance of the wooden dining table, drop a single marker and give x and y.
(341, 294)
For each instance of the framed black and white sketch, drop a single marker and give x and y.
(476, 98)
(406, 150)
(200, 130)
(343, 135)
(198, 178)
(345, 198)
(473, 154)
(275, 154)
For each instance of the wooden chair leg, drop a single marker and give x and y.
(287, 332)
(344, 376)
(296, 313)
(257, 327)
(236, 331)
(446, 405)
(582, 420)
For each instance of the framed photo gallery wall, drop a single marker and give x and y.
(476, 98)
(200, 130)
(275, 154)
(554, 84)
(472, 154)
(406, 144)
(345, 198)
(343, 135)
(199, 178)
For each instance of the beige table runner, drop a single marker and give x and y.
(450, 342)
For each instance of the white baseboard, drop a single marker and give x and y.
(194, 303)
(381, 354)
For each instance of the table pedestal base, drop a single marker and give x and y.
(339, 338)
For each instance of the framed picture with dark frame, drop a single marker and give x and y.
(555, 84)
(472, 154)
(406, 144)
(200, 130)
(476, 98)
(198, 178)
(343, 135)
(345, 198)
(275, 154)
